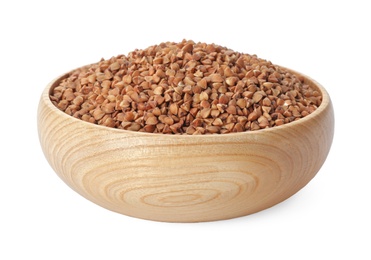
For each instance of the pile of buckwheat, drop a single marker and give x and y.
(185, 88)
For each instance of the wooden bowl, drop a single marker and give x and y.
(180, 178)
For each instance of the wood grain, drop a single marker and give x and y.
(185, 178)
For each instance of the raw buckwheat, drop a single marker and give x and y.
(185, 88)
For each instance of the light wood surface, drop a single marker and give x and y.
(185, 178)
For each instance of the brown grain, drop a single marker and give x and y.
(185, 88)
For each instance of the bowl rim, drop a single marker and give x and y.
(325, 103)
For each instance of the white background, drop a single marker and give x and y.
(41, 218)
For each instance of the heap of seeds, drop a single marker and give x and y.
(185, 88)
